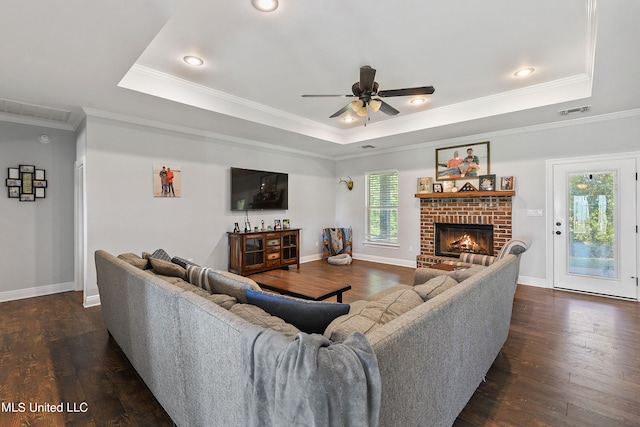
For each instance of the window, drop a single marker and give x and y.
(382, 207)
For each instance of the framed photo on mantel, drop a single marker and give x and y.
(462, 161)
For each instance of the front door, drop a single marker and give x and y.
(594, 226)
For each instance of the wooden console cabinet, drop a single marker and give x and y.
(258, 251)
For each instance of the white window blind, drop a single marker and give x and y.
(382, 207)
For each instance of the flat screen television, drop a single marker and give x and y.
(255, 190)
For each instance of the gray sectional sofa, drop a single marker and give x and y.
(411, 355)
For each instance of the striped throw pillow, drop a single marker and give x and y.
(199, 276)
(477, 259)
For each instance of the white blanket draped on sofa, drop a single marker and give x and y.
(310, 381)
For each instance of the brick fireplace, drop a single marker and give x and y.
(462, 209)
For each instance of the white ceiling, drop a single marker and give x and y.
(124, 59)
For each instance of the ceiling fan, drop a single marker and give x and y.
(366, 90)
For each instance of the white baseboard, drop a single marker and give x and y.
(91, 301)
(533, 281)
(37, 291)
(310, 258)
(371, 258)
(385, 260)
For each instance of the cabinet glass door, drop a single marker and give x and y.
(289, 246)
(254, 251)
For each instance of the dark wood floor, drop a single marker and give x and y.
(570, 360)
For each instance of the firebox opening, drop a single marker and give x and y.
(453, 239)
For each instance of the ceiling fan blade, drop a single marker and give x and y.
(327, 96)
(367, 75)
(341, 111)
(409, 91)
(387, 109)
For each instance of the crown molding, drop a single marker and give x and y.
(150, 81)
(90, 112)
(505, 132)
(36, 121)
(153, 82)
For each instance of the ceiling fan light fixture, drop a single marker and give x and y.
(375, 104)
(265, 5)
(524, 72)
(193, 60)
(359, 107)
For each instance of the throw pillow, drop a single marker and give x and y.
(311, 317)
(167, 268)
(160, 254)
(198, 276)
(134, 260)
(477, 259)
(182, 262)
(435, 286)
(224, 282)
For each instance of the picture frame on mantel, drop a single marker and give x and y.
(463, 161)
(487, 183)
(424, 185)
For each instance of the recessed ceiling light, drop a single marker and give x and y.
(265, 5)
(348, 119)
(418, 101)
(44, 139)
(193, 60)
(524, 72)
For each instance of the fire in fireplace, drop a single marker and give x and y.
(453, 239)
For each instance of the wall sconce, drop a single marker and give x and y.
(349, 183)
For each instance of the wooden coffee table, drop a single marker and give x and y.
(292, 283)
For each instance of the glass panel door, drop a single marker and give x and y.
(594, 229)
(592, 225)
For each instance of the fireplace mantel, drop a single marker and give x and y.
(466, 194)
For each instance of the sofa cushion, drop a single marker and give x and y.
(224, 282)
(464, 273)
(167, 268)
(311, 317)
(373, 314)
(134, 260)
(383, 293)
(257, 316)
(435, 286)
(224, 301)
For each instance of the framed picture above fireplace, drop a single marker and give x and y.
(462, 161)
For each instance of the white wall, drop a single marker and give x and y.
(521, 153)
(123, 215)
(36, 254)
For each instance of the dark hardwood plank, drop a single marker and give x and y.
(570, 359)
